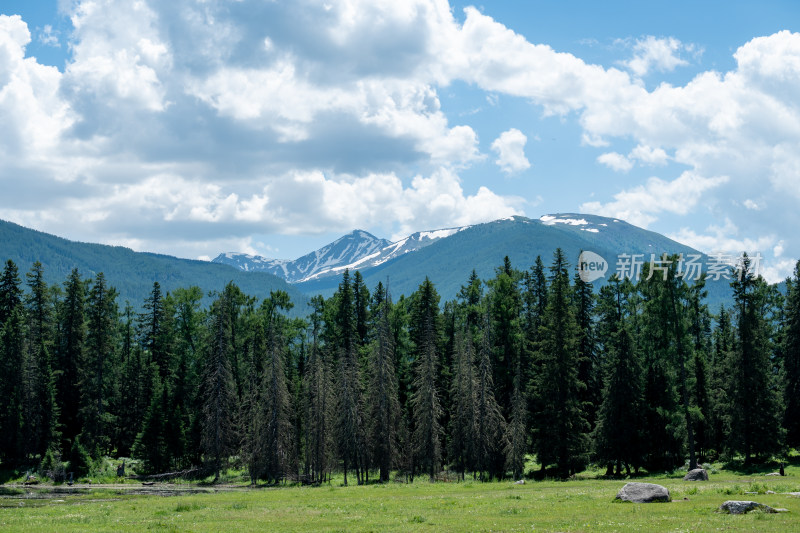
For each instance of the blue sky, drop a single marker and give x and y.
(192, 128)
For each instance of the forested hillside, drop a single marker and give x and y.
(529, 362)
(131, 273)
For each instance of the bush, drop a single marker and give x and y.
(52, 466)
(80, 462)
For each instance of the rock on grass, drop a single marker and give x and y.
(643, 493)
(743, 507)
(698, 474)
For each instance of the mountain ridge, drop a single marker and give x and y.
(131, 273)
(361, 250)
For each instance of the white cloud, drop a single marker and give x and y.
(510, 149)
(31, 112)
(652, 53)
(641, 204)
(649, 156)
(119, 56)
(752, 205)
(727, 240)
(49, 37)
(615, 161)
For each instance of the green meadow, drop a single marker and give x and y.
(575, 505)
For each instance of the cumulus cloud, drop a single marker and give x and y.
(49, 37)
(649, 156)
(659, 54)
(510, 149)
(726, 240)
(615, 161)
(641, 204)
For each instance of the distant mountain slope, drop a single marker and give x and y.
(449, 261)
(131, 273)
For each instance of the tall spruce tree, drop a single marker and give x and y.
(534, 299)
(131, 404)
(40, 411)
(700, 331)
(559, 423)
(589, 371)
(754, 409)
(664, 343)
(319, 403)
(505, 305)
(218, 390)
(618, 434)
(155, 333)
(70, 346)
(350, 421)
(462, 428)
(719, 383)
(791, 360)
(382, 400)
(12, 345)
(273, 430)
(95, 373)
(425, 403)
(490, 425)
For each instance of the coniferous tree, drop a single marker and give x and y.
(700, 331)
(534, 307)
(462, 394)
(490, 426)
(319, 403)
(218, 389)
(719, 397)
(754, 405)
(155, 333)
(69, 356)
(470, 296)
(350, 428)
(383, 405)
(618, 434)
(791, 360)
(150, 445)
(95, 372)
(10, 291)
(360, 308)
(664, 343)
(12, 345)
(425, 403)
(183, 311)
(131, 405)
(40, 411)
(559, 423)
(273, 423)
(588, 364)
(505, 305)
(517, 431)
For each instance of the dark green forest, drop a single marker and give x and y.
(532, 362)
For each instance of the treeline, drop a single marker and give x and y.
(529, 362)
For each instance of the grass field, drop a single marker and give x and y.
(578, 505)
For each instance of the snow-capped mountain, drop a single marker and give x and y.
(342, 252)
(357, 250)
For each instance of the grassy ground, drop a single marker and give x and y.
(579, 505)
